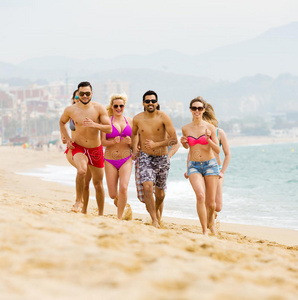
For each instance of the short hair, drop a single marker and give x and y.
(150, 93)
(113, 97)
(84, 84)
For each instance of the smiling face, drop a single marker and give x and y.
(118, 107)
(150, 103)
(85, 94)
(197, 109)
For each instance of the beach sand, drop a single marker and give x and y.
(49, 252)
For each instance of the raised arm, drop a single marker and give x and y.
(183, 139)
(104, 124)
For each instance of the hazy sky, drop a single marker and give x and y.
(109, 28)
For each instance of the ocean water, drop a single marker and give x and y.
(260, 188)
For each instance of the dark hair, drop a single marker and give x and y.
(150, 93)
(157, 107)
(198, 99)
(73, 96)
(84, 84)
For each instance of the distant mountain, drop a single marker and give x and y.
(272, 53)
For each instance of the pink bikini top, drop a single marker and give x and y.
(115, 132)
(200, 140)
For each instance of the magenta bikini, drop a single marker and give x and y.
(117, 163)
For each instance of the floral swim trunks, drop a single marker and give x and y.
(155, 169)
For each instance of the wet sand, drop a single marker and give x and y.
(49, 252)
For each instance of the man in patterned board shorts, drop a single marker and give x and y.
(155, 131)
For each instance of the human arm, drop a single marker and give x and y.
(134, 138)
(171, 135)
(226, 151)
(108, 142)
(183, 139)
(211, 137)
(66, 139)
(104, 124)
(174, 149)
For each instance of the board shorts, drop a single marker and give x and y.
(154, 168)
(94, 155)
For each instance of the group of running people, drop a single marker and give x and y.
(150, 140)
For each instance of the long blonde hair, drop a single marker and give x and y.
(209, 115)
(115, 97)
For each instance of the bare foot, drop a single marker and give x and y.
(212, 230)
(77, 206)
(155, 224)
(205, 233)
(127, 215)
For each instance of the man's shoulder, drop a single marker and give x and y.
(97, 106)
(138, 116)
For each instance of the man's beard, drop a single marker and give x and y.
(151, 111)
(84, 102)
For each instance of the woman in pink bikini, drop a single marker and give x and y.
(201, 139)
(118, 162)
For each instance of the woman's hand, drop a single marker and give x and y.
(116, 140)
(207, 134)
(127, 140)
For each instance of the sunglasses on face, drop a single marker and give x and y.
(84, 93)
(195, 108)
(148, 101)
(116, 106)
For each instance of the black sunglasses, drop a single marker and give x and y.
(194, 108)
(116, 106)
(84, 93)
(148, 101)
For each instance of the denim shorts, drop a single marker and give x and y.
(206, 168)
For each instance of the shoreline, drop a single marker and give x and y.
(58, 158)
(49, 252)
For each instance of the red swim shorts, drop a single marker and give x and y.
(95, 155)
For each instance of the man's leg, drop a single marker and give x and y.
(86, 191)
(80, 161)
(97, 176)
(149, 201)
(159, 197)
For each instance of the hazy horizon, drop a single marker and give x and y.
(109, 29)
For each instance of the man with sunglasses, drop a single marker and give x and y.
(89, 117)
(153, 130)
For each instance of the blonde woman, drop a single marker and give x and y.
(201, 139)
(118, 161)
(210, 117)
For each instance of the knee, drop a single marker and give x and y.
(211, 205)
(98, 185)
(148, 189)
(200, 197)
(123, 188)
(113, 194)
(218, 207)
(81, 172)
